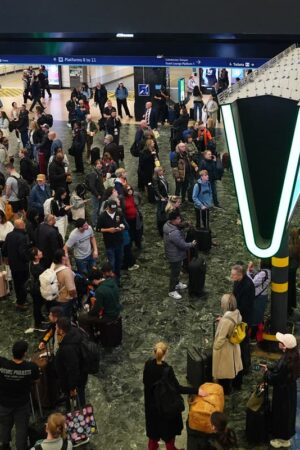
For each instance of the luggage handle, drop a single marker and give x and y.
(38, 402)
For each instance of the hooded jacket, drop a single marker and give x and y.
(175, 245)
(107, 299)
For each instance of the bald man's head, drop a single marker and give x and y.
(51, 135)
(19, 224)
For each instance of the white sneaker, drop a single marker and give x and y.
(134, 267)
(181, 286)
(279, 443)
(175, 295)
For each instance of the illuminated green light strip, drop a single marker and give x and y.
(286, 194)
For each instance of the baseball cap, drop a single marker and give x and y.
(40, 177)
(288, 340)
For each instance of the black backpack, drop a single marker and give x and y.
(90, 354)
(23, 188)
(169, 402)
(87, 181)
(135, 149)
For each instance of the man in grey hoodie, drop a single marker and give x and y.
(175, 251)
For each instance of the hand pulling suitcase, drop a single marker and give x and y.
(202, 236)
(197, 272)
(199, 366)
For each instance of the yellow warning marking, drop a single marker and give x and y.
(280, 262)
(279, 287)
(10, 92)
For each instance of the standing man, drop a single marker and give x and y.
(23, 124)
(184, 169)
(67, 296)
(39, 194)
(139, 135)
(91, 130)
(46, 82)
(244, 292)
(83, 242)
(94, 183)
(190, 88)
(175, 251)
(121, 94)
(69, 362)
(202, 199)
(161, 97)
(16, 250)
(35, 93)
(48, 239)
(111, 224)
(113, 125)
(11, 189)
(16, 378)
(78, 145)
(150, 116)
(100, 97)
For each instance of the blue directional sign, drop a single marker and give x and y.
(144, 90)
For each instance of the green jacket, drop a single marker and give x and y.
(108, 299)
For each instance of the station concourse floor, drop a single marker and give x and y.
(149, 314)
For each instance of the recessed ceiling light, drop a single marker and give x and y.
(124, 35)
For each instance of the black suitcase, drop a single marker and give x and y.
(151, 193)
(95, 154)
(199, 366)
(197, 272)
(111, 333)
(202, 236)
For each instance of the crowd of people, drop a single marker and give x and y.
(48, 242)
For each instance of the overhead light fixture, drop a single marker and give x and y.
(124, 35)
(288, 190)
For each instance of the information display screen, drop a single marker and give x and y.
(53, 74)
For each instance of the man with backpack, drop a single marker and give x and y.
(202, 199)
(16, 189)
(16, 250)
(71, 371)
(94, 183)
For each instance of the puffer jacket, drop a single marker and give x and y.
(174, 241)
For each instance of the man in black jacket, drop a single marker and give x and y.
(244, 292)
(94, 183)
(112, 148)
(16, 378)
(57, 173)
(36, 93)
(48, 239)
(16, 250)
(113, 125)
(68, 361)
(44, 147)
(100, 96)
(150, 116)
(78, 144)
(23, 124)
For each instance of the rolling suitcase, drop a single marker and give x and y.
(197, 272)
(202, 236)
(111, 333)
(199, 366)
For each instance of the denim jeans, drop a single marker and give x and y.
(174, 275)
(96, 205)
(67, 307)
(18, 416)
(115, 257)
(85, 266)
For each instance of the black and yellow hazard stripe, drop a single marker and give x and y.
(279, 285)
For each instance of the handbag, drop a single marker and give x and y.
(238, 333)
(257, 397)
(81, 424)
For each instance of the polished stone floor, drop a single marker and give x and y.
(150, 315)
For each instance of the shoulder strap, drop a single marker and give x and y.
(65, 444)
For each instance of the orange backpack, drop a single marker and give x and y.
(201, 408)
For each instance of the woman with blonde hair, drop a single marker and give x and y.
(174, 202)
(56, 435)
(227, 361)
(158, 425)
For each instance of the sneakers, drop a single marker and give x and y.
(175, 295)
(134, 267)
(279, 443)
(180, 286)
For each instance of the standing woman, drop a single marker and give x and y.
(198, 103)
(157, 426)
(146, 166)
(227, 361)
(35, 136)
(60, 210)
(121, 94)
(294, 261)
(35, 270)
(133, 216)
(56, 434)
(283, 377)
(14, 117)
(4, 124)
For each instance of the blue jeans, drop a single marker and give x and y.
(67, 307)
(115, 257)
(85, 266)
(18, 416)
(96, 205)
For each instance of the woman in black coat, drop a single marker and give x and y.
(283, 377)
(146, 164)
(157, 425)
